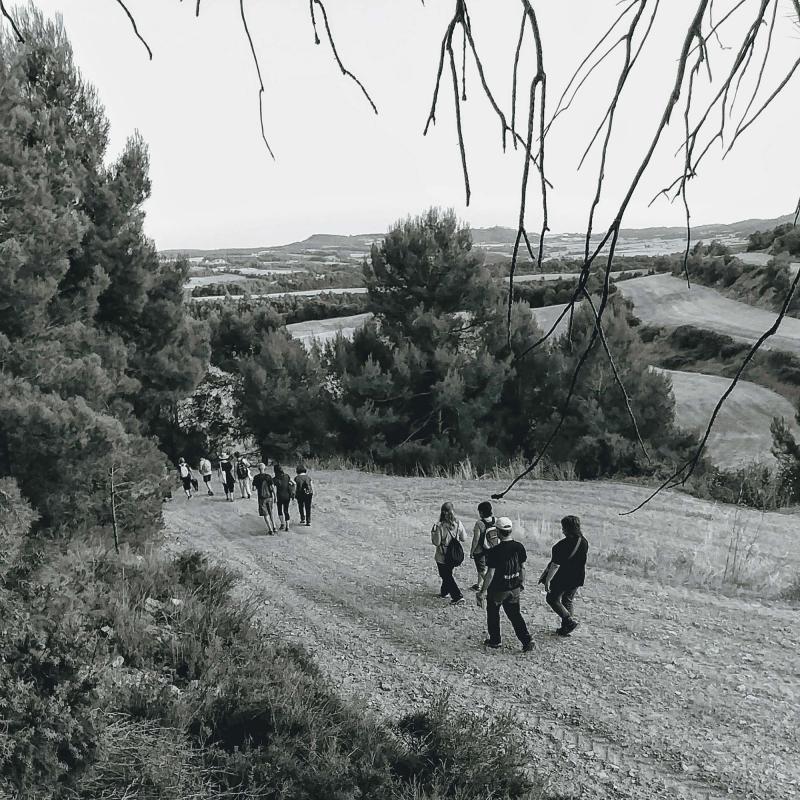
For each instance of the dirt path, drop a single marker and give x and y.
(663, 692)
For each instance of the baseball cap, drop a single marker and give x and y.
(503, 524)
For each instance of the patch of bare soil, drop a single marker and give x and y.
(666, 690)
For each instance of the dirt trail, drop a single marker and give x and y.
(663, 692)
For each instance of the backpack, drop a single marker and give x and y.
(489, 531)
(304, 487)
(453, 551)
(241, 469)
(184, 471)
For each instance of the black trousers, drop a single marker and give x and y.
(560, 600)
(283, 509)
(304, 507)
(449, 585)
(510, 602)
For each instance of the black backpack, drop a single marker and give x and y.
(241, 469)
(454, 552)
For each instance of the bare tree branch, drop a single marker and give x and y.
(11, 22)
(346, 72)
(135, 29)
(258, 74)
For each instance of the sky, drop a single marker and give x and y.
(340, 168)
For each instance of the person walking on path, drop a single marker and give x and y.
(206, 471)
(265, 492)
(243, 474)
(226, 476)
(566, 572)
(505, 579)
(304, 491)
(284, 492)
(448, 527)
(185, 474)
(484, 534)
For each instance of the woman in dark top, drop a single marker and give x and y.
(226, 476)
(566, 572)
(284, 492)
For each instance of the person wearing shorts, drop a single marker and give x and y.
(284, 492)
(206, 472)
(185, 474)
(265, 494)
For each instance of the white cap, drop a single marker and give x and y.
(503, 524)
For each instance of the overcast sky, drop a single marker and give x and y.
(342, 169)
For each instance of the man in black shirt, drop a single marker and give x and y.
(566, 572)
(502, 585)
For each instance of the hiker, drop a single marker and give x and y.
(484, 537)
(447, 529)
(505, 579)
(226, 476)
(284, 493)
(206, 471)
(566, 572)
(304, 491)
(185, 474)
(265, 492)
(243, 474)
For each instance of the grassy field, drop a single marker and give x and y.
(666, 301)
(681, 681)
(741, 433)
(322, 330)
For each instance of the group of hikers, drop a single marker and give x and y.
(500, 564)
(270, 490)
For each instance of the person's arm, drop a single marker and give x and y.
(552, 568)
(487, 582)
(476, 537)
(436, 535)
(462, 533)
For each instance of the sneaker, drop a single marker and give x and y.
(528, 646)
(493, 645)
(567, 627)
(459, 602)
(474, 587)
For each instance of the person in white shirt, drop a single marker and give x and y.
(205, 471)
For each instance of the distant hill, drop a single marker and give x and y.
(495, 235)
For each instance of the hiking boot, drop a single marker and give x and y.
(474, 587)
(490, 643)
(458, 602)
(528, 646)
(567, 626)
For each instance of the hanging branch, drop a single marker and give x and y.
(11, 21)
(135, 29)
(346, 72)
(685, 471)
(258, 74)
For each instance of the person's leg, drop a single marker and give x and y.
(567, 599)
(307, 503)
(281, 516)
(511, 607)
(287, 505)
(554, 600)
(271, 520)
(453, 590)
(481, 569)
(207, 479)
(493, 620)
(444, 589)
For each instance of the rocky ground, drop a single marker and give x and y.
(667, 689)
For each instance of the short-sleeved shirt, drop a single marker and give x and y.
(263, 485)
(506, 559)
(571, 571)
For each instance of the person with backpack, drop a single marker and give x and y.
(226, 476)
(206, 471)
(505, 579)
(284, 493)
(185, 474)
(566, 572)
(447, 534)
(304, 491)
(484, 536)
(243, 474)
(265, 492)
